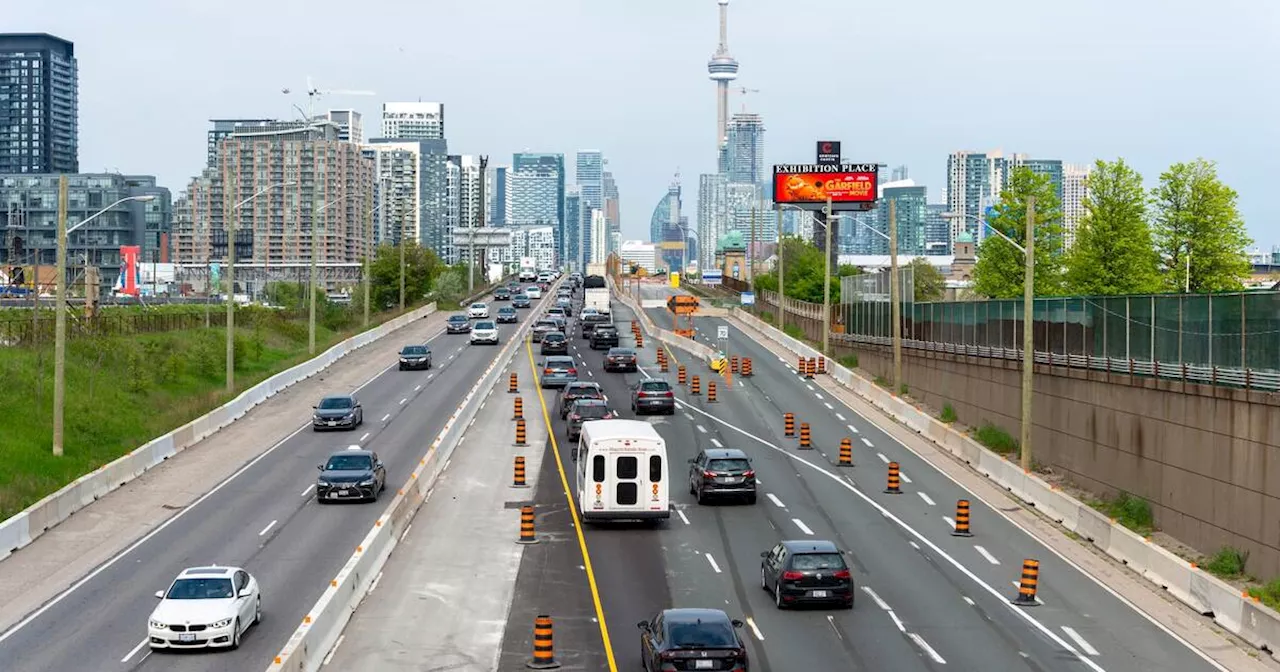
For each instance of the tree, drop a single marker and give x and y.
(422, 266)
(1114, 252)
(999, 271)
(929, 283)
(1196, 219)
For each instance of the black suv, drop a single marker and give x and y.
(604, 336)
(554, 343)
(692, 639)
(806, 572)
(502, 294)
(415, 357)
(351, 474)
(575, 391)
(620, 359)
(507, 314)
(653, 396)
(589, 321)
(722, 472)
(581, 411)
(458, 324)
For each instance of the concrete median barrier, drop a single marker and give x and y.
(25, 527)
(1206, 594)
(316, 635)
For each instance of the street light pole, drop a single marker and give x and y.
(1028, 342)
(826, 281)
(781, 274)
(402, 244)
(315, 243)
(368, 252)
(895, 297)
(60, 307)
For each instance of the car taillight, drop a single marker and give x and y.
(667, 655)
(708, 474)
(669, 394)
(792, 576)
(842, 574)
(546, 372)
(741, 655)
(750, 473)
(575, 416)
(573, 372)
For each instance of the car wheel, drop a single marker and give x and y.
(671, 411)
(700, 497)
(764, 583)
(751, 499)
(402, 367)
(257, 612)
(777, 596)
(235, 635)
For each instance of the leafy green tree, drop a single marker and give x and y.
(1000, 267)
(930, 285)
(422, 266)
(1196, 216)
(1113, 252)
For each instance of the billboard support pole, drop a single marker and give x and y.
(781, 294)
(60, 321)
(826, 282)
(895, 291)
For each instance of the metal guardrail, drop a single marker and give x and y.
(1252, 379)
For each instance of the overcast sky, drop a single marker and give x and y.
(899, 82)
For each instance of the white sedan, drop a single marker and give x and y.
(478, 311)
(205, 607)
(533, 292)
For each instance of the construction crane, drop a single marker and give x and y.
(312, 92)
(744, 91)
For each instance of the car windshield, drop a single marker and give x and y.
(701, 635)
(414, 350)
(457, 318)
(559, 363)
(729, 464)
(548, 324)
(553, 337)
(621, 352)
(349, 463)
(654, 386)
(606, 331)
(200, 589)
(335, 403)
(585, 391)
(478, 306)
(815, 561)
(485, 325)
(592, 410)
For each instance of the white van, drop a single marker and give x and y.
(622, 472)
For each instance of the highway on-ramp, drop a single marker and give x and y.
(263, 518)
(926, 600)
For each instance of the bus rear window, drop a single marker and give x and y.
(655, 468)
(597, 468)
(628, 467)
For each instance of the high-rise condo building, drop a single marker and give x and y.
(413, 121)
(39, 104)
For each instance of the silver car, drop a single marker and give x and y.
(558, 371)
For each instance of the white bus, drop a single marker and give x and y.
(622, 472)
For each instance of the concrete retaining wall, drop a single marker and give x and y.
(35, 520)
(1203, 592)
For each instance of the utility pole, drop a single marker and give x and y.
(826, 281)
(1028, 332)
(368, 252)
(231, 290)
(781, 275)
(895, 297)
(751, 252)
(60, 321)
(402, 244)
(471, 240)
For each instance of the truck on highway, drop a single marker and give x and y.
(598, 298)
(596, 269)
(528, 269)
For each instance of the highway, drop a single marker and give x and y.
(265, 519)
(926, 600)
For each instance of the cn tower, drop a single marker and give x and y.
(723, 69)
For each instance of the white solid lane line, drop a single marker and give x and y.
(1080, 641)
(717, 443)
(927, 649)
(754, 629)
(879, 602)
(713, 562)
(897, 621)
(267, 528)
(308, 490)
(803, 528)
(134, 651)
(774, 498)
(950, 522)
(385, 417)
(927, 499)
(986, 554)
(884, 459)
(682, 516)
(867, 442)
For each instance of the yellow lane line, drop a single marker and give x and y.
(573, 511)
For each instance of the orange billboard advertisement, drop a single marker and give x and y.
(813, 183)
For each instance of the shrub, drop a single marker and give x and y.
(996, 439)
(1227, 563)
(850, 361)
(948, 414)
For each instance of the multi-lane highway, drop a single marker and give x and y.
(264, 519)
(926, 600)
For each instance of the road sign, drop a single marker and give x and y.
(712, 277)
(748, 298)
(722, 333)
(828, 152)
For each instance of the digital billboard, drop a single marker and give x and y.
(815, 183)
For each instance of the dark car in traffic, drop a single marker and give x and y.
(521, 301)
(554, 343)
(692, 639)
(575, 391)
(507, 315)
(542, 328)
(502, 294)
(337, 411)
(415, 357)
(653, 396)
(351, 474)
(589, 321)
(582, 411)
(722, 472)
(621, 359)
(604, 336)
(558, 371)
(806, 572)
(458, 324)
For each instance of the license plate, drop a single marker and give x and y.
(820, 593)
(704, 664)
(186, 637)
(342, 492)
(333, 423)
(333, 495)
(728, 479)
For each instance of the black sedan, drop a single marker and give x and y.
(692, 639)
(502, 294)
(458, 324)
(521, 301)
(604, 336)
(554, 343)
(351, 474)
(620, 359)
(806, 572)
(590, 321)
(415, 357)
(339, 411)
(507, 315)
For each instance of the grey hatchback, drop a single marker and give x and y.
(558, 371)
(723, 472)
(581, 411)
